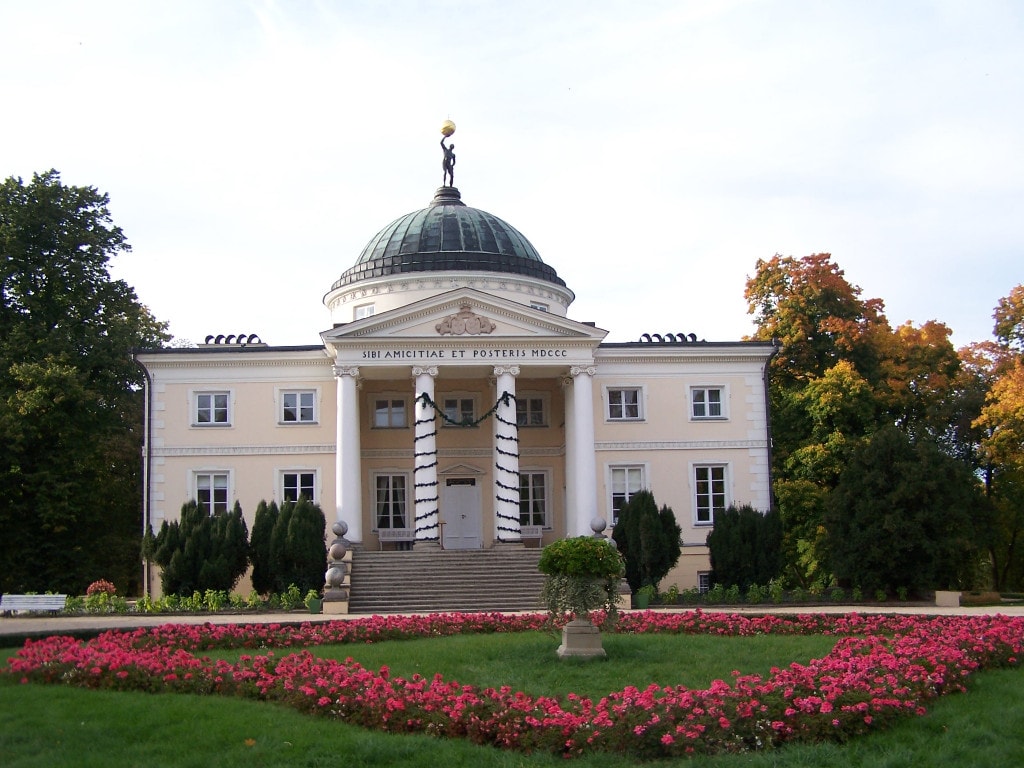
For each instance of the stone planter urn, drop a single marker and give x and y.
(583, 575)
(581, 638)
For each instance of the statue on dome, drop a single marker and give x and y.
(448, 163)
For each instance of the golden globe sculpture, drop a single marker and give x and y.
(447, 128)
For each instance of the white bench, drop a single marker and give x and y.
(532, 532)
(395, 535)
(16, 603)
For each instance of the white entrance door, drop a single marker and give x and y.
(461, 513)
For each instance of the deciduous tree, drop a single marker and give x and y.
(70, 397)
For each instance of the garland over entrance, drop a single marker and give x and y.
(428, 459)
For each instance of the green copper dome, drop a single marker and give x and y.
(448, 236)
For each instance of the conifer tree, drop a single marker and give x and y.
(259, 546)
(648, 540)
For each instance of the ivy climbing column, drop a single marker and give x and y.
(506, 458)
(348, 492)
(425, 488)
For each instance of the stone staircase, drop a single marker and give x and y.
(445, 580)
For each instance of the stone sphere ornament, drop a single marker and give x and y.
(597, 525)
(337, 550)
(340, 528)
(447, 128)
(335, 576)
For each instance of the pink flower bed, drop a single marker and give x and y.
(881, 668)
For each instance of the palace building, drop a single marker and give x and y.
(453, 404)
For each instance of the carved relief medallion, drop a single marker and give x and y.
(466, 321)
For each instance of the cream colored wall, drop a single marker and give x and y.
(667, 442)
(256, 448)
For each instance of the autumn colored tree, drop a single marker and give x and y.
(841, 373)
(1001, 423)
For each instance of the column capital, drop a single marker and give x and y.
(577, 370)
(420, 371)
(346, 370)
(511, 370)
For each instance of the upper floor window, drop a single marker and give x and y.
(212, 409)
(389, 413)
(707, 402)
(298, 407)
(626, 482)
(533, 498)
(461, 410)
(539, 305)
(298, 483)
(625, 404)
(530, 411)
(709, 491)
(390, 504)
(212, 491)
(363, 310)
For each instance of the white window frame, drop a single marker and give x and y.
(314, 490)
(642, 468)
(703, 581)
(699, 399)
(529, 399)
(461, 397)
(696, 495)
(408, 502)
(391, 399)
(195, 397)
(539, 305)
(314, 406)
(362, 311)
(641, 403)
(196, 481)
(546, 500)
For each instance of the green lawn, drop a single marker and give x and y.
(57, 726)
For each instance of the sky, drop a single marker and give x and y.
(652, 152)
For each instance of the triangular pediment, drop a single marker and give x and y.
(463, 314)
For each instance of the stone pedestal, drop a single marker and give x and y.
(581, 638)
(944, 599)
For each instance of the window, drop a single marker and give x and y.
(530, 411)
(298, 407)
(296, 484)
(703, 581)
(624, 404)
(706, 402)
(212, 409)
(363, 310)
(533, 499)
(709, 483)
(539, 305)
(391, 501)
(625, 483)
(459, 409)
(389, 413)
(212, 491)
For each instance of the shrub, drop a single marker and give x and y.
(583, 575)
(648, 539)
(102, 585)
(201, 551)
(745, 546)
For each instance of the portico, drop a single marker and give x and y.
(444, 406)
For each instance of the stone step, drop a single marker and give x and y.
(445, 580)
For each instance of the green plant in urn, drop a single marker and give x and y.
(583, 575)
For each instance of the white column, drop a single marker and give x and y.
(584, 469)
(569, 417)
(424, 477)
(348, 480)
(507, 528)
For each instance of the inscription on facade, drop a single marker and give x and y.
(466, 355)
